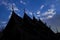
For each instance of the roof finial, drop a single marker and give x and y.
(12, 8)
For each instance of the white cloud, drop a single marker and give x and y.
(43, 18)
(3, 22)
(4, 3)
(9, 5)
(14, 6)
(42, 6)
(49, 12)
(30, 13)
(38, 13)
(48, 17)
(3, 25)
(22, 2)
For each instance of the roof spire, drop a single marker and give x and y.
(24, 10)
(12, 8)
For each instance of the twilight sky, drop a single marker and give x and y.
(46, 10)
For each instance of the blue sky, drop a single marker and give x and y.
(46, 10)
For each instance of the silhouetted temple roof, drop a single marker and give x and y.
(15, 19)
(18, 27)
(26, 17)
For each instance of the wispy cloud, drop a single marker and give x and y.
(3, 25)
(4, 3)
(42, 18)
(9, 5)
(22, 2)
(38, 13)
(48, 17)
(30, 13)
(14, 6)
(4, 22)
(47, 14)
(42, 6)
(50, 13)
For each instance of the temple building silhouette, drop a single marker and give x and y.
(27, 29)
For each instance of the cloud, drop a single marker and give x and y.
(4, 3)
(49, 13)
(22, 2)
(14, 6)
(42, 6)
(3, 22)
(38, 13)
(30, 13)
(42, 18)
(3, 25)
(8, 5)
(48, 17)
